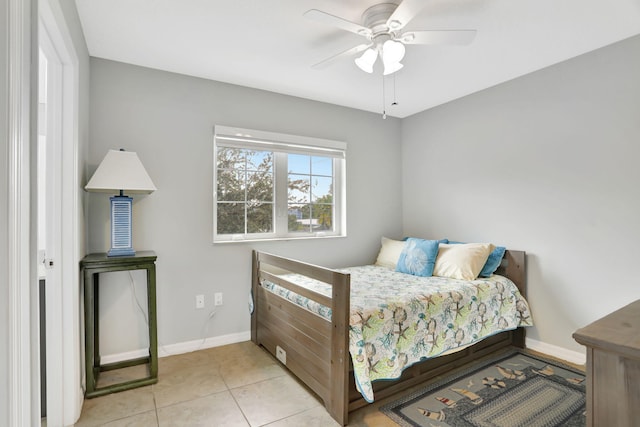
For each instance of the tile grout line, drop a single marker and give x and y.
(290, 416)
(234, 399)
(155, 406)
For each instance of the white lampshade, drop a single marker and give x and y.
(366, 61)
(121, 170)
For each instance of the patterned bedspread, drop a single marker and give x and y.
(399, 319)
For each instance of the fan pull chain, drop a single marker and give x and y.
(384, 112)
(394, 103)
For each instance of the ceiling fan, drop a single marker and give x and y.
(382, 26)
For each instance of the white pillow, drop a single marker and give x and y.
(389, 253)
(462, 261)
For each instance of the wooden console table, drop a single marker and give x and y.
(92, 265)
(613, 367)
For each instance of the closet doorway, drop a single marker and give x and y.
(58, 214)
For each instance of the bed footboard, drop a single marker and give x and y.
(311, 347)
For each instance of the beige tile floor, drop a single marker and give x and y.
(234, 385)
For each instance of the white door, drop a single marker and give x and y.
(58, 213)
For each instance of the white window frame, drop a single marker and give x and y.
(226, 136)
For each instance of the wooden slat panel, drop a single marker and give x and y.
(287, 340)
(316, 345)
(307, 293)
(296, 328)
(297, 364)
(313, 366)
(310, 323)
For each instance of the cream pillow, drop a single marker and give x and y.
(462, 261)
(389, 253)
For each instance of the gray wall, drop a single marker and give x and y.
(4, 266)
(547, 163)
(168, 120)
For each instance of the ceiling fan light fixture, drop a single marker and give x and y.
(366, 61)
(392, 68)
(392, 52)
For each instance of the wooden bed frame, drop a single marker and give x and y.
(317, 350)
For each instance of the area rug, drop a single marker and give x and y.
(511, 390)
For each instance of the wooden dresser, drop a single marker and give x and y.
(613, 367)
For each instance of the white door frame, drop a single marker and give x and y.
(23, 355)
(64, 392)
(20, 238)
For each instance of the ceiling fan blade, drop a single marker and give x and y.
(449, 37)
(405, 12)
(326, 18)
(334, 58)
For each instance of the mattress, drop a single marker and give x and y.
(398, 319)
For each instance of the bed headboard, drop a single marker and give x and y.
(513, 266)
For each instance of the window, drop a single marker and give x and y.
(276, 186)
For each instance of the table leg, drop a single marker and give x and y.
(153, 325)
(96, 322)
(89, 321)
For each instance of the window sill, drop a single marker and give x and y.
(276, 239)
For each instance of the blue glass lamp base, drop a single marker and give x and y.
(121, 237)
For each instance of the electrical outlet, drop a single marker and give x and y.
(218, 298)
(199, 301)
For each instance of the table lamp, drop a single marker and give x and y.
(121, 171)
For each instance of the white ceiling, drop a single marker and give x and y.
(270, 45)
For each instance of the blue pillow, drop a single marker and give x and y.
(418, 257)
(493, 262)
(439, 241)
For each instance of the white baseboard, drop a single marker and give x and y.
(179, 348)
(189, 346)
(119, 357)
(555, 351)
